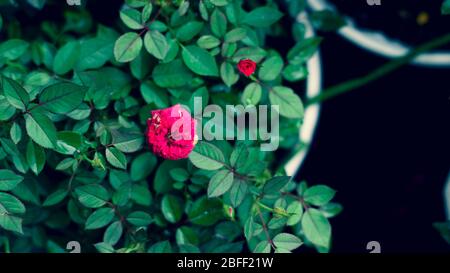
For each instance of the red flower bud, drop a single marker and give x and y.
(171, 132)
(247, 67)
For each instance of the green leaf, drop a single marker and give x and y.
(156, 44)
(262, 247)
(16, 133)
(218, 23)
(295, 210)
(200, 61)
(35, 156)
(319, 195)
(255, 54)
(186, 235)
(207, 156)
(16, 95)
(113, 233)
(127, 47)
(131, 18)
(262, 17)
(99, 218)
(189, 30)
(252, 94)
(171, 75)
(208, 42)
(205, 212)
(92, 196)
(13, 49)
(62, 98)
(9, 204)
(171, 208)
(142, 166)
(235, 35)
(55, 197)
(66, 57)
(95, 52)
(139, 218)
(289, 103)
(7, 109)
(316, 228)
(228, 74)
(11, 223)
(127, 141)
(276, 184)
(271, 68)
(104, 247)
(116, 158)
(303, 50)
(219, 3)
(220, 183)
(445, 8)
(287, 241)
(65, 164)
(327, 20)
(147, 12)
(41, 129)
(141, 195)
(9, 180)
(179, 174)
(160, 247)
(331, 209)
(238, 192)
(293, 72)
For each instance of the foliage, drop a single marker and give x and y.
(75, 97)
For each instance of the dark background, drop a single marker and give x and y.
(384, 147)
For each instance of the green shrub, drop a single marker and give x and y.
(75, 98)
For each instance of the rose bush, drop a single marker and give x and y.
(86, 153)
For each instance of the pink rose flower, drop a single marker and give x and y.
(171, 132)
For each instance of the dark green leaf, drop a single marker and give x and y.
(62, 98)
(16, 95)
(41, 129)
(99, 218)
(200, 61)
(262, 17)
(9, 180)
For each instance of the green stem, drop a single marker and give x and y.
(376, 74)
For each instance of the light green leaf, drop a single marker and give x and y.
(113, 233)
(116, 158)
(218, 23)
(131, 18)
(220, 183)
(207, 156)
(228, 74)
(156, 44)
(235, 35)
(208, 42)
(9, 180)
(92, 196)
(288, 102)
(262, 17)
(99, 218)
(9, 204)
(16, 95)
(127, 47)
(295, 210)
(287, 241)
(16, 133)
(303, 50)
(271, 68)
(11, 223)
(139, 218)
(319, 195)
(35, 157)
(262, 247)
(200, 61)
(252, 94)
(13, 49)
(104, 247)
(41, 129)
(316, 228)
